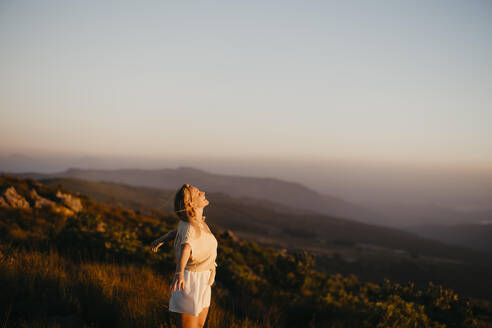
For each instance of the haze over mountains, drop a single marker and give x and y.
(450, 206)
(264, 219)
(431, 221)
(287, 193)
(402, 196)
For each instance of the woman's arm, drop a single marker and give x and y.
(178, 280)
(161, 240)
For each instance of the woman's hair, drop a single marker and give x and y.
(183, 208)
(182, 203)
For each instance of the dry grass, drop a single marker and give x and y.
(92, 294)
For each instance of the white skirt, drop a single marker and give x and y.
(195, 296)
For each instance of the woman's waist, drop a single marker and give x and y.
(206, 265)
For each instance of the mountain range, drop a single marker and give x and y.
(283, 192)
(432, 221)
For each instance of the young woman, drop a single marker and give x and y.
(195, 248)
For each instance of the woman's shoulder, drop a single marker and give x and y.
(186, 230)
(184, 227)
(183, 224)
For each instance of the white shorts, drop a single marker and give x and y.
(195, 296)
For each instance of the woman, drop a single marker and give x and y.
(195, 248)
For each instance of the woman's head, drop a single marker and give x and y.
(187, 200)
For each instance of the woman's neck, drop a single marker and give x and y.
(199, 214)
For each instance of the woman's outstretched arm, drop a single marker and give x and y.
(178, 280)
(161, 240)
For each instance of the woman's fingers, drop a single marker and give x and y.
(154, 246)
(177, 284)
(173, 285)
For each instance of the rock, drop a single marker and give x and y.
(228, 234)
(3, 202)
(14, 199)
(40, 202)
(70, 201)
(55, 207)
(101, 227)
(63, 210)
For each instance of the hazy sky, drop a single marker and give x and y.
(361, 80)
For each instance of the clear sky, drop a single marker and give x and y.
(360, 80)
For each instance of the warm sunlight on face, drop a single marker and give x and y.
(198, 197)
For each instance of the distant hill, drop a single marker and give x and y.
(291, 194)
(292, 198)
(477, 236)
(406, 215)
(267, 221)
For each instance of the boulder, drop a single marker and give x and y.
(70, 201)
(14, 199)
(63, 210)
(41, 201)
(3, 202)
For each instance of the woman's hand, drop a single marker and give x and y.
(155, 245)
(211, 278)
(178, 282)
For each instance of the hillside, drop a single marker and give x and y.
(81, 269)
(371, 252)
(474, 235)
(269, 220)
(286, 193)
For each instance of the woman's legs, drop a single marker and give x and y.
(184, 320)
(202, 317)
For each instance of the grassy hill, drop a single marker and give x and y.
(279, 191)
(270, 221)
(94, 268)
(373, 253)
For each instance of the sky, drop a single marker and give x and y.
(406, 82)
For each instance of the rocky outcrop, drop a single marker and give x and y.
(67, 206)
(70, 201)
(3, 202)
(40, 202)
(14, 199)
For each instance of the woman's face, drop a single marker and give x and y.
(198, 197)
